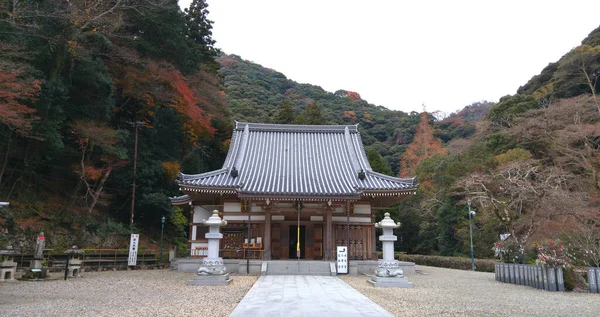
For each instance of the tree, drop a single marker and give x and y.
(504, 112)
(378, 164)
(424, 145)
(18, 90)
(524, 196)
(311, 115)
(199, 30)
(578, 72)
(285, 113)
(95, 168)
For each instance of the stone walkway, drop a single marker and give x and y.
(295, 295)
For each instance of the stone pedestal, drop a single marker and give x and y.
(388, 272)
(35, 264)
(8, 267)
(212, 271)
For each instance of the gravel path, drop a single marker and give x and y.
(446, 292)
(123, 293)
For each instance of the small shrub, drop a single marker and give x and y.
(569, 278)
(481, 265)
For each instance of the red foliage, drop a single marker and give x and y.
(353, 95)
(16, 91)
(156, 85)
(188, 104)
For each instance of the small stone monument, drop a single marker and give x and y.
(388, 272)
(75, 262)
(212, 271)
(38, 254)
(8, 267)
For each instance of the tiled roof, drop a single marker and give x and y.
(296, 160)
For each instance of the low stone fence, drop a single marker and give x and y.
(540, 277)
(593, 279)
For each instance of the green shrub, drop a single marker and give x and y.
(481, 265)
(570, 278)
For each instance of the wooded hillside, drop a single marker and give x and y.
(77, 80)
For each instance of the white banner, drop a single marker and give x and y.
(342, 260)
(133, 247)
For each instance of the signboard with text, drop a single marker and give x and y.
(342, 260)
(133, 247)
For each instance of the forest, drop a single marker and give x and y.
(88, 90)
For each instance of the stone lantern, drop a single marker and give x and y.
(74, 262)
(8, 267)
(212, 271)
(388, 272)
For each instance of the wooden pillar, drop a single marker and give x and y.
(189, 252)
(373, 241)
(329, 238)
(267, 237)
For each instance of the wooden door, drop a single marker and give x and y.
(318, 242)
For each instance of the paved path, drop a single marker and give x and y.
(301, 295)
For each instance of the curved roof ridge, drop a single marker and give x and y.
(186, 177)
(410, 180)
(272, 127)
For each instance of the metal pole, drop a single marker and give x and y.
(67, 266)
(471, 235)
(162, 228)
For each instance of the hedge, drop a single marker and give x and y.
(482, 265)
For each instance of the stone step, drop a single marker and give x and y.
(315, 268)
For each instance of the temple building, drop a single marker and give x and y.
(278, 178)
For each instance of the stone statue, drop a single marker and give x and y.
(40, 244)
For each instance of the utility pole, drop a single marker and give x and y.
(136, 125)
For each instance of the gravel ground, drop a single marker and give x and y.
(446, 292)
(123, 293)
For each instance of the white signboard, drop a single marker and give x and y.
(342, 260)
(133, 247)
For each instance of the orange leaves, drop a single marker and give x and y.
(423, 145)
(171, 169)
(350, 115)
(93, 173)
(16, 91)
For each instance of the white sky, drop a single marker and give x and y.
(401, 54)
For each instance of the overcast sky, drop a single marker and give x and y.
(401, 54)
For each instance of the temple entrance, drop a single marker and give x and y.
(294, 239)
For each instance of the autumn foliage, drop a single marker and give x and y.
(17, 92)
(423, 145)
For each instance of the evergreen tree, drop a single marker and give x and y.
(311, 115)
(285, 113)
(199, 30)
(378, 164)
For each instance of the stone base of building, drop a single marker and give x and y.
(210, 280)
(401, 282)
